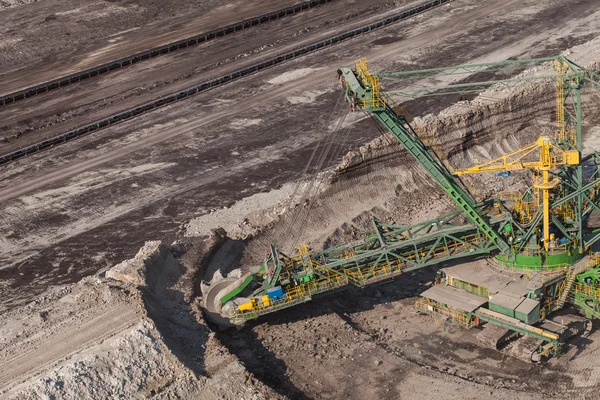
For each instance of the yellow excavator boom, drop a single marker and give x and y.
(549, 155)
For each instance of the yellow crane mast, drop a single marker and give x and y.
(550, 156)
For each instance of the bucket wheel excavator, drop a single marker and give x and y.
(540, 233)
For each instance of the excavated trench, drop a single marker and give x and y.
(382, 180)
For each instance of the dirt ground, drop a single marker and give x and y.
(134, 338)
(232, 158)
(153, 174)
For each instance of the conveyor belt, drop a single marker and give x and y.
(203, 87)
(157, 51)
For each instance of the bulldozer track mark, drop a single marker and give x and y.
(75, 338)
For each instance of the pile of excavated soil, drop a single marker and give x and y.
(243, 219)
(13, 3)
(134, 334)
(381, 180)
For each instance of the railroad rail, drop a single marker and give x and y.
(156, 51)
(219, 81)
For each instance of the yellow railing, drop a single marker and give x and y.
(304, 256)
(565, 211)
(369, 82)
(536, 250)
(469, 287)
(547, 307)
(437, 312)
(561, 68)
(388, 268)
(294, 294)
(594, 259)
(587, 290)
(527, 209)
(508, 195)
(547, 276)
(360, 275)
(560, 97)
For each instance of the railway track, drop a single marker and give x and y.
(213, 83)
(157, 51)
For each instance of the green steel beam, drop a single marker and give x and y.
(533, 225)
(464, 88)
(397, 250)
(238, 289)
(522, 328)
(579, 168)
(416, 242)
(379, 235)
(397, 233)
(468, 68)
(372, 259)
(574, 76)
(510, 66)
(560, 226)
(591, 241)
(356, 90)
(588, 75)
(574, 194)
(592, 205)
(273, 277)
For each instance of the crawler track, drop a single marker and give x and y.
(156, 51)
(203, 87)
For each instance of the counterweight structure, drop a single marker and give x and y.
(540, 232)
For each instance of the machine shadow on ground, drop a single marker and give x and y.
(246, 344)
(260, 361)
(166, 305)
(579, 343)
(271, 370)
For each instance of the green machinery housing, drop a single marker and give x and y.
(543, 234)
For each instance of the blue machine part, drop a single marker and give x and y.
(275, 293)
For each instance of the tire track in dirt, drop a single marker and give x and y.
(90, 218)
(16, 251)
(45, 87)
(72, 338)
(183, 94)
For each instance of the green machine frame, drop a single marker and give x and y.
(387, 251)
(363, 92)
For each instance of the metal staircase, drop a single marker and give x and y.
(565, 289)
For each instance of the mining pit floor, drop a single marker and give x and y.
(79, 322)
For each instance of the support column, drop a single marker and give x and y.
(579, 169)
(546, 202)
